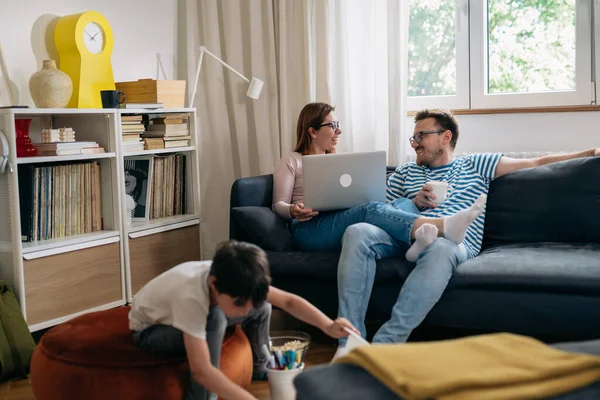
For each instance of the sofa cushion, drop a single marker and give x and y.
(558, 202)
(321, 265)
(555, 267)
(263, 227)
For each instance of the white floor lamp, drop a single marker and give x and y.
(255, 85)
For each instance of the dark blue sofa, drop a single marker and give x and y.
(538, 273)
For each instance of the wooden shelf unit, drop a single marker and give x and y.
(60, 278)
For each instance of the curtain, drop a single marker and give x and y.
(349, 53)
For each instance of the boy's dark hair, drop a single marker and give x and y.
(444, 119)
(241, 270)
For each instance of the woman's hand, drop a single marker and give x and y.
(424, 198)
(300, 213)
(336, 329)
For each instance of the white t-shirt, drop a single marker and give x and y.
(178, 297)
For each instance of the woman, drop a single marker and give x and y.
(318, 133)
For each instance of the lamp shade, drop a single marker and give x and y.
(255, 88)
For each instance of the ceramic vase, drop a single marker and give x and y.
(50, 87)
(24, 146)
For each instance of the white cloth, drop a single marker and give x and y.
(178, 297)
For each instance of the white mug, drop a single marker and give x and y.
(440, 190)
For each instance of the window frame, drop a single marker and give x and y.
(461, 98)
(471, 64)
(581, 95)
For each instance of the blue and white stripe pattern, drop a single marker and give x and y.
(468, 178)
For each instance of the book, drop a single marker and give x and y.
(169, 121)
(176, 143)
(171, 138)
(64, 145)
(141, 105)
(71, 152)
(168, 128)
(153, 143)
(131, 118)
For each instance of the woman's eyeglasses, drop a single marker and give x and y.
(418, 137)
(335, 125)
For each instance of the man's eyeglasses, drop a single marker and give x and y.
(418, 137)
(335, 125)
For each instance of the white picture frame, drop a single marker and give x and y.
(138, 185)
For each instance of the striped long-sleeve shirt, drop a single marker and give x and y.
(468, 177)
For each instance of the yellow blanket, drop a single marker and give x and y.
(497, 366)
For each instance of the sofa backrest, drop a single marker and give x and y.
(558, 202)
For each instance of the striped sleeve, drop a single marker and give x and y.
(485, 164)
(395, 186)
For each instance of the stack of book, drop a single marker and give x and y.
(59, 200)
(58, 135)
(67, 148)
(167, 196)
(171, 129)
(132, 128)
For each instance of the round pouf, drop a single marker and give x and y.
(93, 357)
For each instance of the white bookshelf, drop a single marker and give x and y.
(159, 151)
(78, 281)
(77, 157)
(55, 245)
(140, 234)
(137, 226)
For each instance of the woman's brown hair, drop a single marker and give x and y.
(311, 116)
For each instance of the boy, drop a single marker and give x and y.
(188, 308)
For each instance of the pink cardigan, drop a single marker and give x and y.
(287, 184)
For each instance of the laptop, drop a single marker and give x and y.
(340, 181)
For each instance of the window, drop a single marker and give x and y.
(521, 53)
(437, 54)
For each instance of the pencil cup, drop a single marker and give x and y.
(281, 383)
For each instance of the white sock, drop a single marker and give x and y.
(455, 226)
(424, 236)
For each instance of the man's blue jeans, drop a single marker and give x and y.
(362, 245)
(167, 339)
(325, 231)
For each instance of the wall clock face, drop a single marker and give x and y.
(93, 37)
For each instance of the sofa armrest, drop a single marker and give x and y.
(261, 226)
(252, 191)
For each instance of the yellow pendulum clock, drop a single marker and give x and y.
(84, 43)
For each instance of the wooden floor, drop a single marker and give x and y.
(319, 353)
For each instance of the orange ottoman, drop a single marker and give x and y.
(93, 357)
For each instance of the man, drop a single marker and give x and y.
(188, 308)
(434, 139)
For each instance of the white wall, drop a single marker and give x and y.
(536, 132)
(142, 29)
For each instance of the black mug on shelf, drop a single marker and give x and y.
(112, 98)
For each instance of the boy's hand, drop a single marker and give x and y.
(336, 329)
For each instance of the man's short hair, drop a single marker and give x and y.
(444, 119)
(241, 270)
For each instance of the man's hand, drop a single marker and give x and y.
(597, 152)
(300, 213)
(336, 329)
(424, 198)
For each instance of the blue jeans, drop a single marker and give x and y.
(167, 339)
(325, 231)
(362, 245)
